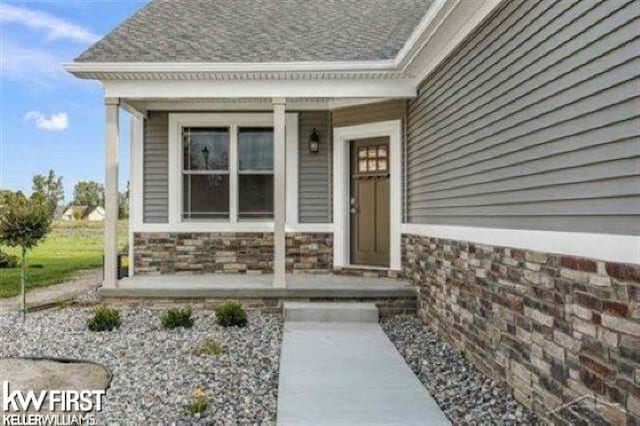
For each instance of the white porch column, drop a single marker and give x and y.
(279, 194)
(112, 142)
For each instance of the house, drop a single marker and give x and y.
(59, 212)
(488, 151)
(90, 213)
(94, 214)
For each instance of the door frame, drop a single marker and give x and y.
(342, 137)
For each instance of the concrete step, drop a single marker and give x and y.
(330, 312)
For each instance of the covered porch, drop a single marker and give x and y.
(293, 136)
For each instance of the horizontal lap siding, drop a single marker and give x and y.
(315, 169)
(156, 168)
(533, 123)
(369, 113)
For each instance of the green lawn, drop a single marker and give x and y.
(69, 247)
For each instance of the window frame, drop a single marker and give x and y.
(232, 121)
(252, 172)
(206, 172)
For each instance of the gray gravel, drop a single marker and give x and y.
(156, 371)
(464, 393)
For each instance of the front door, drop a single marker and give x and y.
(369, 202)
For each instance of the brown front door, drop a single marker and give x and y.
(369, 202)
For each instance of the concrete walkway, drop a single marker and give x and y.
(43, 297)
(348, 373)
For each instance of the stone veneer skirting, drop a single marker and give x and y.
(550, 327)
(229, 252)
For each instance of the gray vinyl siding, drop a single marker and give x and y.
(156, 168)
(533, 122)
(369, 113)
(314, 170)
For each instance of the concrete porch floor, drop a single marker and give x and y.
(243, 286)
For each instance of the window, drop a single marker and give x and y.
(205, 173)
(372, 159)
(255, 173)
(209, 174)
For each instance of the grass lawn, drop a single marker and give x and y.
(69, 247)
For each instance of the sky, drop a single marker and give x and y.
(48, 118)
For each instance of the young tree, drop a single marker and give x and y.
(88, 193)
(23, 223)
(50, 187)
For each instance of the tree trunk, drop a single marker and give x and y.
(23, 278)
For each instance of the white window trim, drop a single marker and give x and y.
(232, 120)
(607, 247)
(342, 136)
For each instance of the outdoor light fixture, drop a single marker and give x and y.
(205, 154)
(314, 142)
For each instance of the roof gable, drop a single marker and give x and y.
(261, 31)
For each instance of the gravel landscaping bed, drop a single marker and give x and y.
(156, 371)
(464, 393)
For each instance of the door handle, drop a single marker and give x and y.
(353, 210)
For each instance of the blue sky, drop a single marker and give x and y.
(48, 118)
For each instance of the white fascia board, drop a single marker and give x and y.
(425, 24)
(228, 67)
(607, 247)
(456, 20)
(173, 89)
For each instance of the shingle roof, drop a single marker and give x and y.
(261, 31)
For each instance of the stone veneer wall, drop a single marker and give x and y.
(229, 252)
(550, 327)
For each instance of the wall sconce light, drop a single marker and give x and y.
(314, 142)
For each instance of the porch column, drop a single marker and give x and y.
(112, 142)
(279, 194)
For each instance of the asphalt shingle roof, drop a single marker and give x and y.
(261, 31)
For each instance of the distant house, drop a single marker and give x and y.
(59, 212)
(94, 214)
(83, 213)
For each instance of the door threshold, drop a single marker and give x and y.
(372, 267)
(368, 271)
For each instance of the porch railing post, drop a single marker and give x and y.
(112, 142)
(279, 196)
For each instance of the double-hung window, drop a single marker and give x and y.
(227, 173)
(205, 173)
(255, 172)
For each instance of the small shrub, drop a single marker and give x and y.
(104, 319)
(8, 261)
(177, 317)
(231, 314)
(210, 347)
(199, 402)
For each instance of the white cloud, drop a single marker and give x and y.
(56, 28)
(29, 64)
(55, 122)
